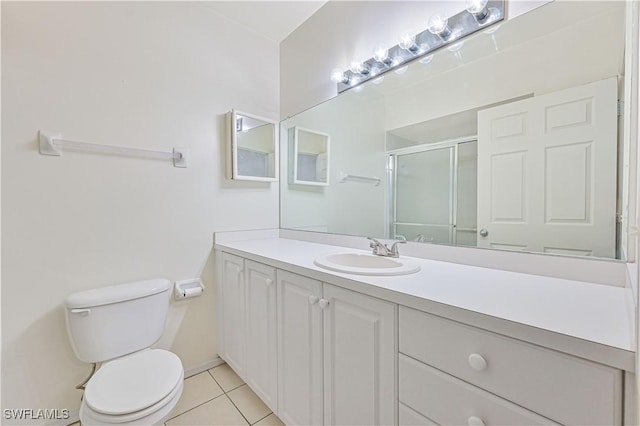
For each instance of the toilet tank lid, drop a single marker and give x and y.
(116, 293)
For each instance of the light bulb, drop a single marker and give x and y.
(438, 25)
(478, 8)
(358, 67)
(381, 54)
(408, 42)
(337, 76)
(378, 80)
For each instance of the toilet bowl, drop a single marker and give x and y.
(116, 325)
(141, 388)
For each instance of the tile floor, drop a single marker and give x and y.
(219, 397)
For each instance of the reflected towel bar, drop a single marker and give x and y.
(51, 143)
(346, 176)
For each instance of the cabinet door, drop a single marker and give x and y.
(261, 362)
(359, 358)
(233, 308)
(299, 349)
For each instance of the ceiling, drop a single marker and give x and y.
(274, 20)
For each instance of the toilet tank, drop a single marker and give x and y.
(108, 322)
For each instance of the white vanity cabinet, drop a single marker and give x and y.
(300, 366)
(452, 373)
(337, 354)
(319, 353)
(248, 324)
(231, 313)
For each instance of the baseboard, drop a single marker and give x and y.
(192, 371)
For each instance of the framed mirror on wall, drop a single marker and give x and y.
(510, 139)
(309, 157)
(253, 147)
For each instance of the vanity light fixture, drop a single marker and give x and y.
(441, 32)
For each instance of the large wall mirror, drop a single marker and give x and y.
(510, 139)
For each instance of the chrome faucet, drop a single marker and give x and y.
(381, 249)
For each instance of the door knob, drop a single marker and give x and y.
(323, 303)
(313, 299)
(484, 232)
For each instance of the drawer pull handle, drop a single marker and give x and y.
(475, 421)
(313, 299)
(477, 363)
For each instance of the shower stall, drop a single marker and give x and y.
(433, 192)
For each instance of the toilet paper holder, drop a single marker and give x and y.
(184, 289)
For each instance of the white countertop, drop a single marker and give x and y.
(591, 320)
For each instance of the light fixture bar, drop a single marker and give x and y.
(456, 27)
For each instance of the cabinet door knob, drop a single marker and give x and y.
(323, 303)
(484, 232)
(313, 299)
(268, 282)
(475, 421)
(477, 362)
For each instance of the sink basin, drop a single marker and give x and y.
(367, 264)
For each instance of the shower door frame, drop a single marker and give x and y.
(392, 179)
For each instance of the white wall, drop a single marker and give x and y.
(141, 74)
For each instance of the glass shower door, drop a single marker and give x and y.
(423, 199)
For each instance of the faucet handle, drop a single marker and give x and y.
(379, 248)
(374, 242)
(393, 251)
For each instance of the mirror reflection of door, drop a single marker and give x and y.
(547, 172)
(434, 194)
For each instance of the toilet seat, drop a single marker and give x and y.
(134, 386)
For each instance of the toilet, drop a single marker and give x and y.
(116, 326)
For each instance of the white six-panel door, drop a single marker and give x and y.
(359, 358)
(299, 350)
(547, 172)
(261, 343)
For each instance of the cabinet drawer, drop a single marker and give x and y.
(409, 417)
(450, 401)
(566, 389)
